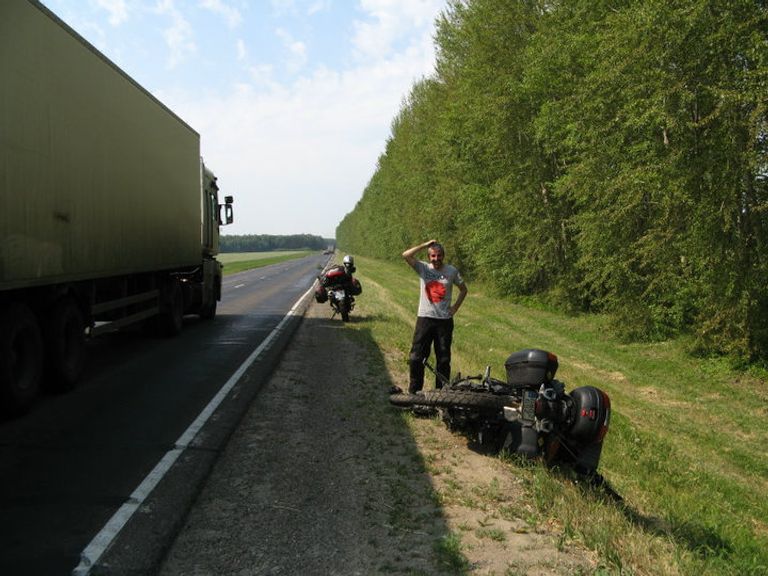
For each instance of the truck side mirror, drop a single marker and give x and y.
(229, 216)
(228, 213)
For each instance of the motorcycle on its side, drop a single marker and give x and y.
(529, 413)
(338, 287)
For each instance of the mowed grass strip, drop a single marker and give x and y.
(239, 261)
(687, 450)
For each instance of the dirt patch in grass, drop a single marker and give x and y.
(324, 477)
(487, 507)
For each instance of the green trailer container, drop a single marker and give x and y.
(107, 214)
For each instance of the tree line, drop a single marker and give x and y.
(602, 156)
(268, 243)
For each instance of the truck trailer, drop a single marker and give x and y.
(108, 216)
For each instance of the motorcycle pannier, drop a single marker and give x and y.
(321, 294)
(531, 367)
(591, 413)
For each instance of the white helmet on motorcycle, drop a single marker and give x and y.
(349, 263)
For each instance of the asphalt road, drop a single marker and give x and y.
(70, 464)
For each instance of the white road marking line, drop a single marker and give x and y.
(91, 554)
(238, 286)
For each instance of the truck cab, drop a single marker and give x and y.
(214, 214)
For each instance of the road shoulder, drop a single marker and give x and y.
(324, 477)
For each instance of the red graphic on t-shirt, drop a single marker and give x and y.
(435, 291)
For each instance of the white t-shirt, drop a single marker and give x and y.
(436, 287)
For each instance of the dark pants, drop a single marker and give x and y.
(430, 331)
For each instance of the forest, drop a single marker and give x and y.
(268, 243)
(592, 156)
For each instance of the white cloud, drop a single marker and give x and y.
(318, 6)
(118, 11)
(296, 49)
(297, 155)
(388, 21)
(242, 51)
(280, 7)
(261, 77)
(230, 14)
(178, 36)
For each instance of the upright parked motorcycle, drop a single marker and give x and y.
(529, 414)
(338, 287)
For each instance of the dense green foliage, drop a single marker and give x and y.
(267, 243)
(602, 156)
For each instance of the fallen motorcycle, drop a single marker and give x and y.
(529, 414)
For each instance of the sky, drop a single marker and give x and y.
(293, 99)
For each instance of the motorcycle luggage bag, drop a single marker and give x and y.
(590, 414)
(530, 367)
(321, 294)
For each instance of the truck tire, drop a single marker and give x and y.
(65, 345)
(21, 358)
(448, 399)
(170, 321)
(208, 310)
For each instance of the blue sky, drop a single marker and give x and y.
(293, 99)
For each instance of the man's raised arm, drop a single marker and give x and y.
(410, 254)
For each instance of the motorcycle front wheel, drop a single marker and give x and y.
(449, 398)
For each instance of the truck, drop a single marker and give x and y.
(108, 215)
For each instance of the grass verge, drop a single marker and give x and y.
(239, 261)
(686, 450)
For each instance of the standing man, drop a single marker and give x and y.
(434, 324)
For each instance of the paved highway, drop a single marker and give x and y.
(76, 459)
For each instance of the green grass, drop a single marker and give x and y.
(239, 261)
(687, 446)
(449, 555)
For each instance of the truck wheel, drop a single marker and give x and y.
(65, 341)
(208, 310)
(171, 317)
(21, 358)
